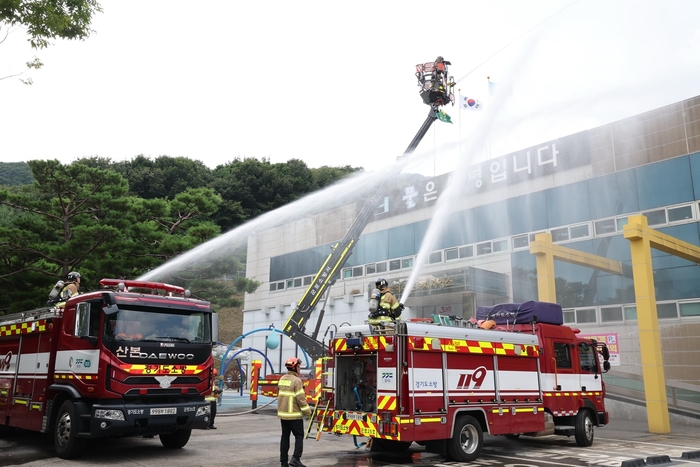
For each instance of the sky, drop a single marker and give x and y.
(332, 83)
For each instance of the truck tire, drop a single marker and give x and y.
(467, 440)
(175, 440)
(65, 433)
(583, 429)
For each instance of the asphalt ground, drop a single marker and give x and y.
(247, 439)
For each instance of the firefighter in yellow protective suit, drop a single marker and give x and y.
(291, 408)
(387, 308)
(62, 291)
(213, 398)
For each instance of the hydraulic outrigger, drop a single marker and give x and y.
(437, 89)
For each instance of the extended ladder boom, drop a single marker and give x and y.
(436, 90)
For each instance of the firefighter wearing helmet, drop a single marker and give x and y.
(213, 398)
(384, 307)
(62, 291)
(291, 408)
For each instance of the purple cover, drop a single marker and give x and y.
(522, 313)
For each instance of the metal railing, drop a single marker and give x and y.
(682, 398)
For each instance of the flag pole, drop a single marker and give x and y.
(459, 93)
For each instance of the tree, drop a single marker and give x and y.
(46, 20)
(15, 173)
(76, 217)
(163, 177)
(69, 214)
(325, 175)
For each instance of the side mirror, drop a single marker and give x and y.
(606, 353)
(214, 327)
(606, 366)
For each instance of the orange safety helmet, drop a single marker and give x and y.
(292, 362)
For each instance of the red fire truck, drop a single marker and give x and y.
(133, 359)
(444, 386)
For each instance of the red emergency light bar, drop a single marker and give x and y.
(142, 284)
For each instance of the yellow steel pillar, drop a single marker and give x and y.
(541, 247)
(546, 252)
(637, 232)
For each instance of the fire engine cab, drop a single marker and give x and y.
(134, 359)
(443, 385)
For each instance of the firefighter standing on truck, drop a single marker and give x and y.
(62, 291)
(388, 308)
(291, 408)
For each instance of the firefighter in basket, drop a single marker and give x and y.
(383, 306)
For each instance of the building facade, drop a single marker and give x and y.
(580, 188)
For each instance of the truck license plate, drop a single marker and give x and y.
(164, 411)
(353, 416)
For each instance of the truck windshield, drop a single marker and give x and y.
(157, 326)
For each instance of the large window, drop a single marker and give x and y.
(562, 355)
(588, 356)
(150, 326)
(689, 309)
(611, 314)
(585, 315)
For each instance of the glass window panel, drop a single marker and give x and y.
(500, 245)
(280, 286)
(560, 235)
(586, 315)
(630, 313)
(605, 227)
(656, 217)
(680, 213)
(562, 355)
(666, 310)
(371, 269)
(452, 253)
(569, 316)
(466, 251)
(613, 313)
(297, 282)
(520, 242)
(587, 357)
(273, 286)
(532, 236)
(381, 267)
(394, 264)
(690, 309)
(357, 271)
(483, 248)
(580, 231)
(621, 222)
(347, 273)
(290, 283)
(307, 280)
(406, 263)
(435, 257)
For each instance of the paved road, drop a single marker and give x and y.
(252, 440)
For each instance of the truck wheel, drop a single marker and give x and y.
(583, 430)
(65, 433)
(175, 440)
(467, 440)
(388, 445)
